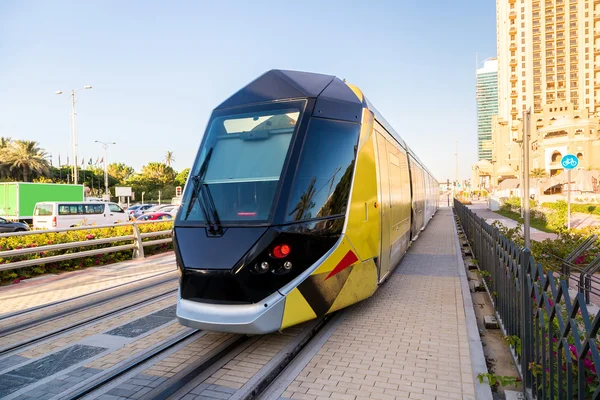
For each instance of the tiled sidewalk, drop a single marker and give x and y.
(416, 338)
(51, 288)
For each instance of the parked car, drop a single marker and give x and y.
(174, 211)
(7, 226)
(50, 215)
(139, 209)
(154, 216)
(170, 209)
(156, 208)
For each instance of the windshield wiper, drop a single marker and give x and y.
(215, 227)
(194, 196)
(197, 181)
(214, 223)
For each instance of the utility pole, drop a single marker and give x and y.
(105, 146)
(456, 154)
(74, 130)
(74, 136)
(569, 201)
(456, 182)
(525, 203)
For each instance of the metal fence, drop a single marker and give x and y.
(135, 241)
(551, 332)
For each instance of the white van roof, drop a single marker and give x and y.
(75, 202)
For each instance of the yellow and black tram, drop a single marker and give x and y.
(301, 201)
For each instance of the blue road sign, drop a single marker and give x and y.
(569, 161)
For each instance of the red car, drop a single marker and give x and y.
(154, 216)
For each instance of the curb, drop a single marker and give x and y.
(478, 364)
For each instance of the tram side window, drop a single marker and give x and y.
(324, 176)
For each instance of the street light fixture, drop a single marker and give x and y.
(105, 145)
(74, 129)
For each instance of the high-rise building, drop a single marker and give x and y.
(487, 106)
(549, 62)
(546, 51)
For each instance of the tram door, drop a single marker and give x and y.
(395, 203)
(385, 206)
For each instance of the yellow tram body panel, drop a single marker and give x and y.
(349, 274)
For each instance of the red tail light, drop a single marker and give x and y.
(281, 251)
(54, 222)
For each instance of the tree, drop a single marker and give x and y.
(157, 174)
(538, 173)
(25, 158)
(169, 159)
(306, 203)
(181, 177)
(4, 142)
(4, 166)
(120, 171)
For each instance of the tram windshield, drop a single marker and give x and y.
(240, 163)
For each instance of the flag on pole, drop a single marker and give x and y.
(68, 160)
(90, 162)
(50, 159)
(59, 160)
(97, 161)
(102, 161)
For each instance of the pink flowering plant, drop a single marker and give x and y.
(560, 355)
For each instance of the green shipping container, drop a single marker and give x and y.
(18, 199)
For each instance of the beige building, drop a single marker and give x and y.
(549, 61)
(546, 51)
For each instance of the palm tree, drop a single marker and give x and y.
(169, 159)
(306, 203)
(538, 173)
(26, 157)
(4, 143)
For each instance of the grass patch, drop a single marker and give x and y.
(537, 224)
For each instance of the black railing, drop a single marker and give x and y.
(551, 332)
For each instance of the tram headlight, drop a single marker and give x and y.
(261, 268)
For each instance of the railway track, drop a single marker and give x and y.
(203, 370)
(17, 337)
(22, 319)
(91, 295)
(271, 357)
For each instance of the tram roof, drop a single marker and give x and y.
(334, 98)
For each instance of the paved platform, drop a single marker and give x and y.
(53, 288)
(416, 338)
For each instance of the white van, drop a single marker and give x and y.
(54, 215)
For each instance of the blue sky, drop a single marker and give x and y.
(159, 68)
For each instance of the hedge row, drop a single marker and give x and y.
(580, 208)
(50, 238)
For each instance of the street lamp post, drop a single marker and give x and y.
(74, 130)
(456, 154)
(525, 203)
(105, 146)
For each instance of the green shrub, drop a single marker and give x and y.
(557, 217)
(50, 238)
(547, 251)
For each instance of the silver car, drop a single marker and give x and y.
(7, 226)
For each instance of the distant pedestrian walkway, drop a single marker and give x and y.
(480, 208)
